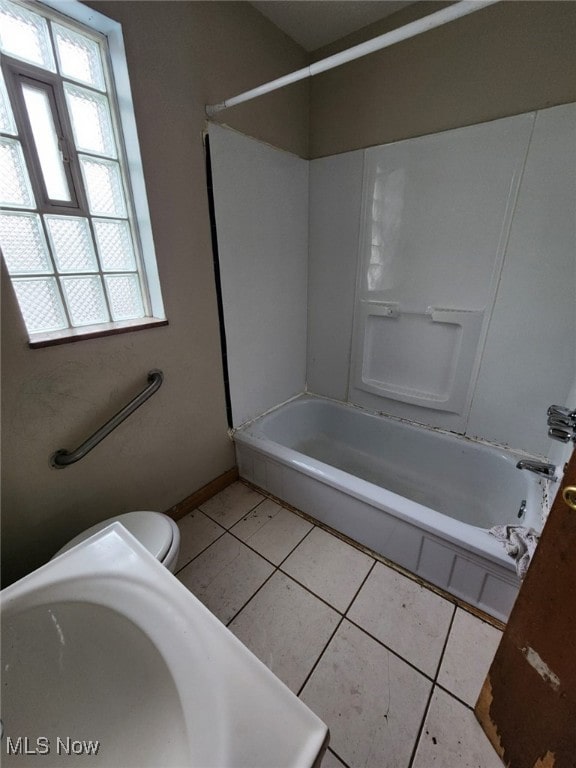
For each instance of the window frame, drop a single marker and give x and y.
(17, 72)
(102, 29)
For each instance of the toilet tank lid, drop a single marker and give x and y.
(153, 530)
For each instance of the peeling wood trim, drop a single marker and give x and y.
(482, 712)
(548, 761)
(539, 665)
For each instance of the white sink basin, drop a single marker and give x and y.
(104, 645)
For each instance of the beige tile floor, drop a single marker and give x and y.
(391, 667)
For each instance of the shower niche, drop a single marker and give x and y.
(436, 212)
(424, 358)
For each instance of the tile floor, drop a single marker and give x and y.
(391, 667)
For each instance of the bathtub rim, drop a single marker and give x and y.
(462, 534)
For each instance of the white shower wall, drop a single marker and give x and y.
(436, 213)
(261, 205)
(527, 359)
(291, 235)
(335, 201)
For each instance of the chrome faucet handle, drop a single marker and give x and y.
(556, 433)
(562, 422)
(561, 412)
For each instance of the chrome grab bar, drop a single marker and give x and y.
(63, 458)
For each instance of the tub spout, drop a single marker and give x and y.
(539, 468)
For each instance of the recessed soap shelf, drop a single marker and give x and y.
(425, 357)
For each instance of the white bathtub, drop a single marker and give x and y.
(421, 498)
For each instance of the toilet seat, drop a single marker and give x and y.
(154, 530)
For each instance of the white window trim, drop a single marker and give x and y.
(119, 69)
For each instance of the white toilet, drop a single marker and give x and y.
(154, 530)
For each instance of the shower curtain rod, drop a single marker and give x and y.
(462, 8)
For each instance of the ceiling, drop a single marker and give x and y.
(315, 23)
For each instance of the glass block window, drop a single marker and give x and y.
(40, 303)
(25, 35)
(68, 229)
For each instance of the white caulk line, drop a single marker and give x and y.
(541, 667)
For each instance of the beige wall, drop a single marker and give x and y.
(180, 56)
(506, 59)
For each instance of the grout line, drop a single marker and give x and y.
(453, 695)
(224, 532)
(307, 589)
(288, 575)
(274, 565)
(277, 568)
(485, 618)
(390, 650)
(300, 584)
(343, 615)
(365, 550)
(309, 675)
(450, 598)
(253, 549)
(344, 763)
(419, 734)
(239, 611)
(219, 522)
(319, 597)
(296, 547)
(364, 580)
(432, 689)
(441, 659)
(435, 686)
